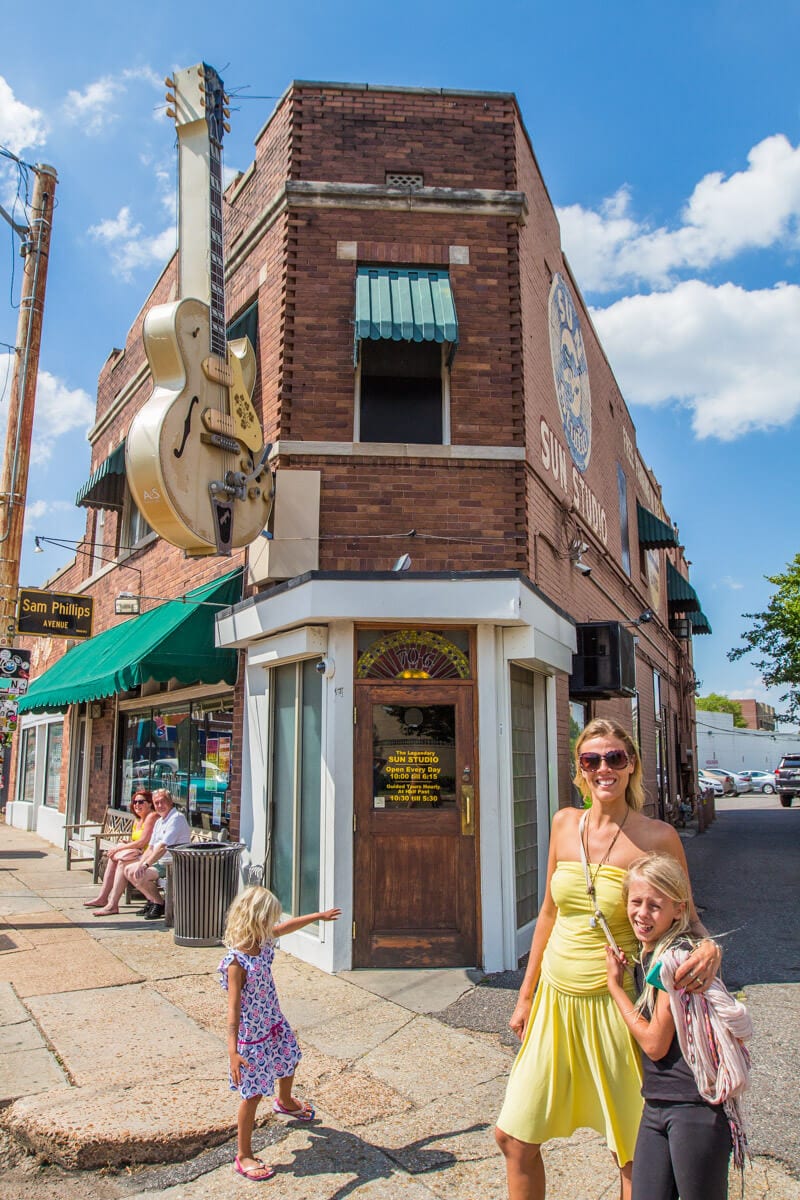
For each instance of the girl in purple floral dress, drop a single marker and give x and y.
(261, 1045)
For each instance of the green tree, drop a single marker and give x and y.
(775, 634)
(713, 702)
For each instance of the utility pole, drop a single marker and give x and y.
(16, 459)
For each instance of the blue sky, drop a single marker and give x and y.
(669, 140)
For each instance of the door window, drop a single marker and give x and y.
(413, 756)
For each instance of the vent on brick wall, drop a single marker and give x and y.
(403, 179)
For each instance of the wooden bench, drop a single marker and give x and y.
(88, 842)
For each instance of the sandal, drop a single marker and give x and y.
(258, 1174)
(304, 1113)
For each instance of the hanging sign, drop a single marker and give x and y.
(54, 614)
(15, 669)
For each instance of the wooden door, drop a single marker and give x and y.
(416, 893)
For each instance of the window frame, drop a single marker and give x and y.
(444, 376)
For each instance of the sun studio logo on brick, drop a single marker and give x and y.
(570, 372)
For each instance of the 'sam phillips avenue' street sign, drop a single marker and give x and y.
(54, 614)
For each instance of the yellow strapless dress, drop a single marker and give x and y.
(578, 1066)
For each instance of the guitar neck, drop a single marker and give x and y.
(218, 341)
(201, 264)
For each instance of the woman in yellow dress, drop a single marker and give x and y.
(578, 1065)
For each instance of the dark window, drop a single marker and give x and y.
(401, 392)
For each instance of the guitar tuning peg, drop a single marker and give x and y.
(226, 98)
(170, 98)
(226, 126)
(169, 82)
(226, 111)
(171, 113)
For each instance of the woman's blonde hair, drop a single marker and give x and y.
(666, 875)
(600, 727)
(251, 919)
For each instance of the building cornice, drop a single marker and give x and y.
(302, 193)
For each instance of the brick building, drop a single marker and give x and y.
(468, 557)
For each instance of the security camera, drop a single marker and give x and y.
(584, 568)
(325, 667)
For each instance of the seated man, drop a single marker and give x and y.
(171, 829)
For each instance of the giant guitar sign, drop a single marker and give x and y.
(195, 455)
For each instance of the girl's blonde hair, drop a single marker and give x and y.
(251, 918)
(666, 875)
(600, 727)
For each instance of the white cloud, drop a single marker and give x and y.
(21, 127)
(752, 209)
(729, 582)
(129, 247)
(59, 410)
(94, 107)
(731, 356)
(37, 510)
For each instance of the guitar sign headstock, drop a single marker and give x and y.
(197, 94)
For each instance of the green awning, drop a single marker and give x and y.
(700, 622)
(654, 534)
(681, 596)
(403, 304)
(173, 641)
(105, 487)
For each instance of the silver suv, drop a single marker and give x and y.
(787, 779)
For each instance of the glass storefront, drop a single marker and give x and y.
(186, 748)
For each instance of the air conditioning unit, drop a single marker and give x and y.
(605, 663)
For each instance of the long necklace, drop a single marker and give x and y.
(597, 913)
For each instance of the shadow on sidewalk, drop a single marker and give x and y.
(342, 1152)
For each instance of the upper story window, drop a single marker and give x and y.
(406, 332)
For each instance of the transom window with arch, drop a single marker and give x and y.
(413, 654)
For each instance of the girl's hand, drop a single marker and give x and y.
(330, 914)
(520, 1015)
(615, 967)
(237, 1062)
(699, 969)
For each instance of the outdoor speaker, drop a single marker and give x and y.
(605, 662)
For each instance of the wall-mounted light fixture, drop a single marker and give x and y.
(127, 605)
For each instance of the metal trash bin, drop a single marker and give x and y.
(205, 880)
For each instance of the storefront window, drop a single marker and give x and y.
(296, 785)
(27, 766)
(185, 749)
(52, 779)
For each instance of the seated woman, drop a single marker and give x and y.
(107, 902)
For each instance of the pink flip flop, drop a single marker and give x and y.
(259, 1174)
(306, 1113)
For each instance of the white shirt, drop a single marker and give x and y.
(171, 830)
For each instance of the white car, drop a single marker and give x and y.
(762, 781)
(709, 781)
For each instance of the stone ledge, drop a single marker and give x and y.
(150, 1121)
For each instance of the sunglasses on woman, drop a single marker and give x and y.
(616, 759)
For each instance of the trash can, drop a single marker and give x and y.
(205, 880)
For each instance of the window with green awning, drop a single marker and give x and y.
(681, 596)
(654, 534)
(173, 641)
(105, 487)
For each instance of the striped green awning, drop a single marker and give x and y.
(404, 304)
(173, 641)
(654, 534)
(700, 622)
(681, 596)
(105, 487)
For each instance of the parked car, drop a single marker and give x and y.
(730, 785)
(787, 779)
(710, 782)
(762, 781)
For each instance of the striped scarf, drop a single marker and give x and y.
(712, 1027)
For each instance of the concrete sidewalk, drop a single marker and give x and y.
(112, 1052)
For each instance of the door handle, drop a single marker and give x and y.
(468, 809)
